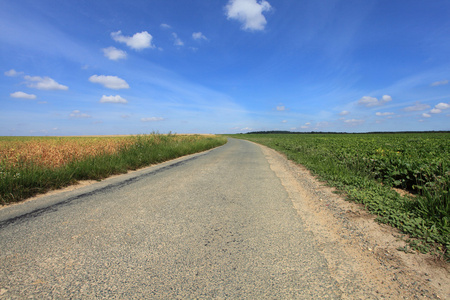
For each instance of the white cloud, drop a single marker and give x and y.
(443, 82)
(198, 36)
(344, 113)
(354, 122)
(442, 106)
(79, 115)
(435, 111)
(386, 98)
(384, 114)
(426, 115)
(113, 99)
(44, 83)
(165, 26)
(248, 12)
(368, 101)
(111, 82)
(114, 54)
(281, 108)
(178, 41)
(322, 124)
(417, 107)
(439, 108)
(152, 119)
(138, 41)
(22, 95)
(13, 73)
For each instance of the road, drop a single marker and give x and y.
(218, 224)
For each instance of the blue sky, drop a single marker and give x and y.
(90, 67)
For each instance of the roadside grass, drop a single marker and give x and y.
(30, 165)
(366, 168)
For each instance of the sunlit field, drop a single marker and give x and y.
(404, 178)
(32, 165)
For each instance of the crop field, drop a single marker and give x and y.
(32, 165)
(404, 178)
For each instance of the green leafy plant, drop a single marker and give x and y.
(366, 167)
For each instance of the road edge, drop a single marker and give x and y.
(338, 223)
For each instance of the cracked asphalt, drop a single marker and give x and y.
(208, 226)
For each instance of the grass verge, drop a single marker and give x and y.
(27, 176)
(366, 168)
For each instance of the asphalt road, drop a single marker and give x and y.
(213, 225)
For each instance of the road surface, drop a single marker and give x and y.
(218, 224)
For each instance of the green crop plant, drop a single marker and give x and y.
(366, 167)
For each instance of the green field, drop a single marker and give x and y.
(372, 168)
(33, 165)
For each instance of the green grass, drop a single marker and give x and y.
(27, 178)
(366, 168)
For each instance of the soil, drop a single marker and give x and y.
(351, 240)
(345, 229)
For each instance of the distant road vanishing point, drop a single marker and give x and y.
(217, 224)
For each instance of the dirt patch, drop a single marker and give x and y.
(357, 248)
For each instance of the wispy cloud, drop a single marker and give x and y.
(248, 12)
(113, 99)
(165, 26)
(76, 114)
(178, 41)
(281, 108)
(114, 54)
(306, 125)
(198, 36)
(354, 122)
(13, 73)
(344, 113)
(44, 83)
(23, 95)
(111, 82)
(152, 119)
(382, 114)
(417, 107)
(442, 82)
(138, 41)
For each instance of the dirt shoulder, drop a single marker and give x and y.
(354, 243)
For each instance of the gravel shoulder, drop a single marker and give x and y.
(354, 243)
